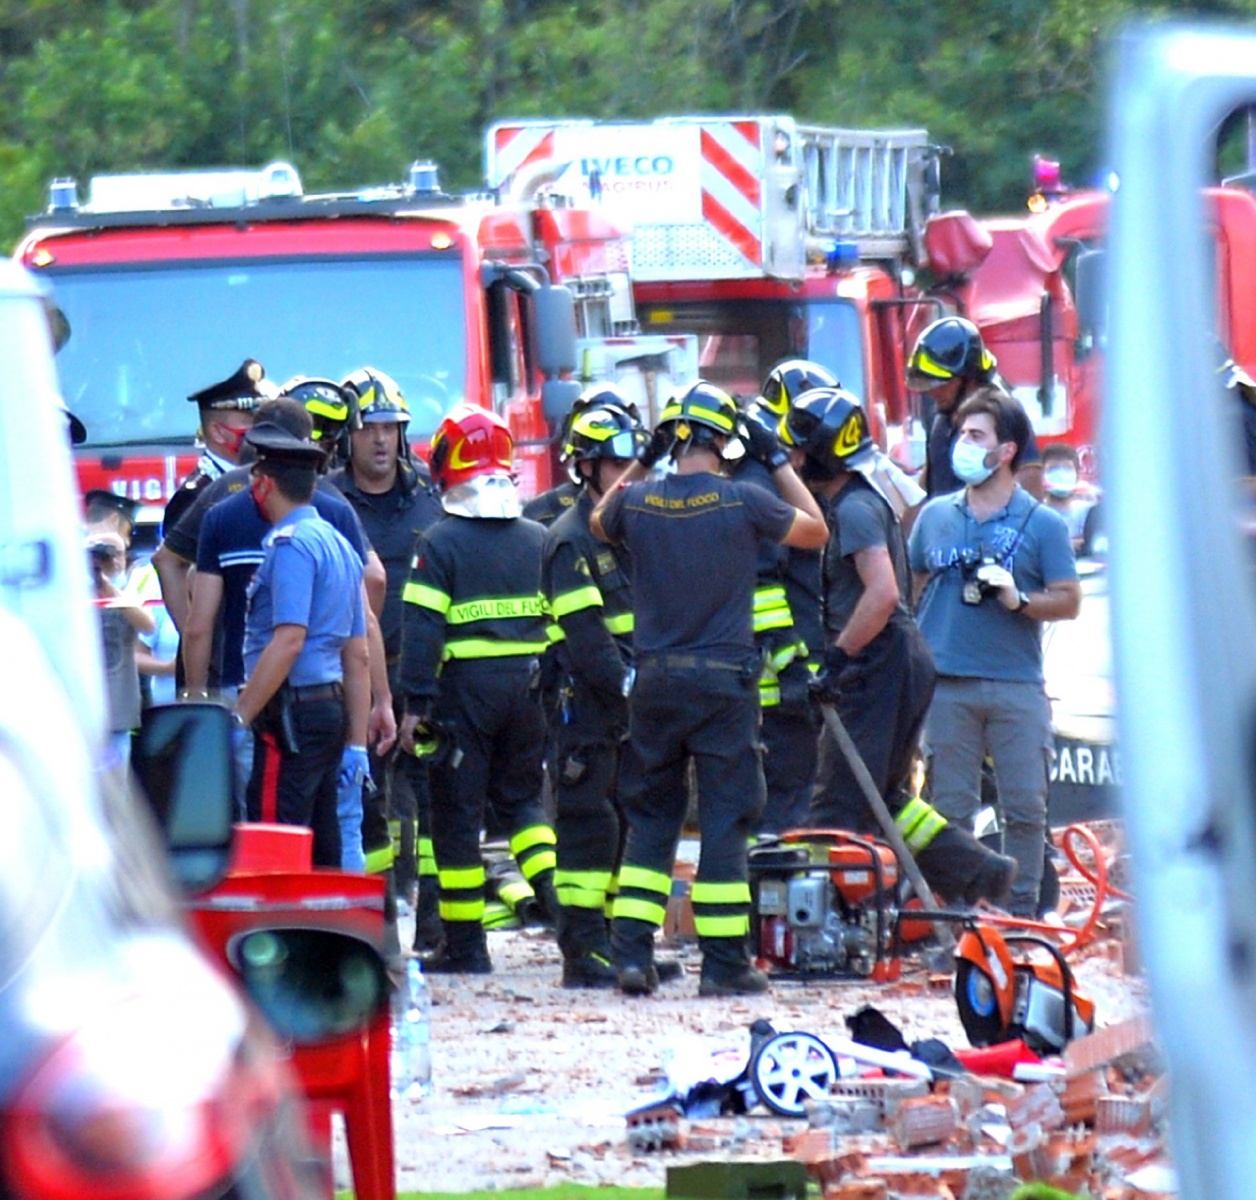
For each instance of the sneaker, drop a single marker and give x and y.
(722, 980)
(993, 882)
(591, 970)
(638, 980)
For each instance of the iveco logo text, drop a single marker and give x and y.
(643, 164)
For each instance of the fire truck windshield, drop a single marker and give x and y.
(739, 341)
(143, 338)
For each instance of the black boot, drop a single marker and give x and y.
(546, 897)
(465, 951)
(584, 941)
(632, 949)
(429, 933)
(727, 971)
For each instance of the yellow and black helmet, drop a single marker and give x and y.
(699, 410)
(333, 408)
(378, 396)
(830, 426)
(605, 430)
(789, 379)
(950, 348)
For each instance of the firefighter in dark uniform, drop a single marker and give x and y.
(226, 412)
(878, 672)
(307, 694)
(475, 627)
(550, 505)
(693, 536)
(588, 586)
(395, 500)
(787, 626)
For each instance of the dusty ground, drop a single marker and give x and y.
(532, 1080)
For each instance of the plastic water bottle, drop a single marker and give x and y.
(411, 1058)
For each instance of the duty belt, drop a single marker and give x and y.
(688, 662)
(315, 691)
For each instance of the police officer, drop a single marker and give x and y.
(588, 586)
(307, 696)
(226, 412)
(474, 628)
(693, 536)
(394, 498)
(878, 672)
(787, 625)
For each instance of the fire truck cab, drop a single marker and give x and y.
(169, 281)
(765, 238)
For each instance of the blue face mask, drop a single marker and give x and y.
(968, 461)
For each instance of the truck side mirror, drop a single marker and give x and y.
(182, 759)
(557, 397)
(1089, 296)
(555, 329)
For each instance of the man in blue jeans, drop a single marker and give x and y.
(990, 564)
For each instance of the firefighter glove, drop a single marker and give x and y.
(762, 444)
(825, 685)
(660, 444)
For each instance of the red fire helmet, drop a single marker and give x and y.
(470, 442)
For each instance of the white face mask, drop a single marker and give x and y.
(1060, 481)
(968, 461)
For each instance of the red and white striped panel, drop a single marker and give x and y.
(518, 146)
(732, 166)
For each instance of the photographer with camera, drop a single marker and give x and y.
(991, 563)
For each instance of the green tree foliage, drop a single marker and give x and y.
(352, 93)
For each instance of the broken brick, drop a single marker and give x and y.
(858, 1189)
(924, 1121)
(1079, 1096)
(1104, 1046)
(1039, 1105)
(1122, 1114)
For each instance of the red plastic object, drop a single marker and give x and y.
(998, 1060)
(262, 847)
(348, 1075)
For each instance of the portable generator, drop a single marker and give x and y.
(822, 903)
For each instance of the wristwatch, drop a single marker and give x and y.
(1022, 600)
(238, 721)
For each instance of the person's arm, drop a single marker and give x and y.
(382, 721)
(635, 473)
(272, 668)
(128, 604)
(877, 603)
(808, 531)
(1060, 600)
(355, 662)
(198, 632)
(375, 581)
(147, 663)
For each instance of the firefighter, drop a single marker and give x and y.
(787, 627)
(550, 505)
(878, 672)
(395, 500)
(474, 630)
(948, 363)
(693, 536)
(588, 586)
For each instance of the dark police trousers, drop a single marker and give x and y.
(683, 706)
(491, 709)
(296, 764)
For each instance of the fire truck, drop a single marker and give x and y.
(770, 238)
(763, 237)
(169, 281)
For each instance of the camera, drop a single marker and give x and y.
(100, 554)
(970, 562)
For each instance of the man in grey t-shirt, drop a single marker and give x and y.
(993, 563)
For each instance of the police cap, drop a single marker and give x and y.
(274, 444)
(99, 501)
(244, 390)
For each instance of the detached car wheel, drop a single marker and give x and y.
(790, 1069)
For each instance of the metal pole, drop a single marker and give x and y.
(882, 813)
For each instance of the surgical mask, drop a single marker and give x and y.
(968, 461)
(1060, 482)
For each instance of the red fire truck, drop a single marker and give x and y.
(169, 281)
(767, 238)
(764, 237)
